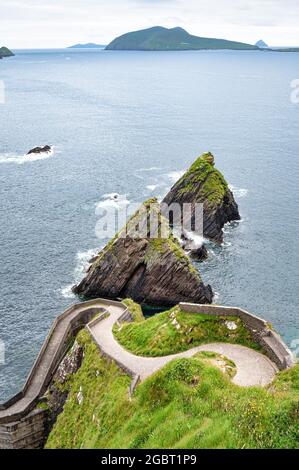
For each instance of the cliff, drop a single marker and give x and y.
(203, 183)
(163, 39)
(5, 52)
(152, 271)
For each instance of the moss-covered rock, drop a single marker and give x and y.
(204, 184)
(151, 269)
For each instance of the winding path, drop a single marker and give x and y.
(253, 368)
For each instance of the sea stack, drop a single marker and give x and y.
(150, 270)
(204, 184)
(45, 149)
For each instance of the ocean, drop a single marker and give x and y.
(131, 123)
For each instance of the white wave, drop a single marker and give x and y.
(174, 176)
(22, 159)
(152, 168)
(239, 192)
(197, 240)
(152, 187)
(67, 292)
(83, 262)
(216, 296)
(112, 200)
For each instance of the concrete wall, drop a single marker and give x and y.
(27, 433)
(25, 428)
(271, 342)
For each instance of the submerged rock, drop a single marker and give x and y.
(152, 271)
(204, 184)
(44, 149)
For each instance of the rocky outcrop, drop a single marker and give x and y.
(57, 392)
(150, 269)
(5, 52)
(196, 251)
(204, 184)
(44, 149)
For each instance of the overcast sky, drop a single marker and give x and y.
(60, 23)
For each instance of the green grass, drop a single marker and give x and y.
(202, 176)
(135, 309)
(187, 404)
(158, 336)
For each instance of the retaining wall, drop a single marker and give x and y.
(20, 426)
(270, 341)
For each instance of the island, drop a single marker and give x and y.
(5, 52)
(262, 45)
(159, 38)
(89, 45)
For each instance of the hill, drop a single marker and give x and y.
(190, 403)
(262, 45)
(5, 52)
(174, 39)
(89, 45)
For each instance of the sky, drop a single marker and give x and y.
(61, 23)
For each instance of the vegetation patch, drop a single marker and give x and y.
(135, 309)
(174, 331)
(204, 178)
(188, 404)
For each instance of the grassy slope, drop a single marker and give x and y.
(188, 404)
(158, 336)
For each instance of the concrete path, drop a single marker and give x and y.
(253, 368)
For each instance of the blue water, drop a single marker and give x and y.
(129, 122)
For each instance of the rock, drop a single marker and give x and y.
(44, 149)
(80, 397)
(204, 184)
(56, 394)
(196, 251)
(5, 52)
(231, 325)
(151, 271)
(199, 254)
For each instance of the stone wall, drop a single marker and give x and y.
(27, 433)
(261, 331)
(25, 428)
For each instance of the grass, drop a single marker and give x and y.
(203, 175)
(160, 334)
(188, 404)
(135, 310)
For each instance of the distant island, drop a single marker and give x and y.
(174, 39)
(89, 45)
(262, 45)
(5, 52)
